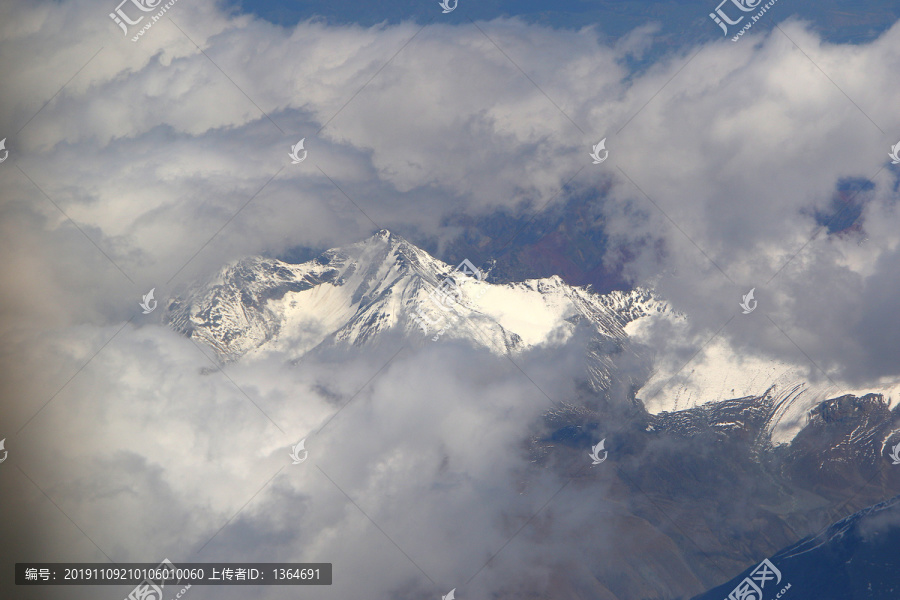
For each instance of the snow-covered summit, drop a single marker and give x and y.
(353, 294)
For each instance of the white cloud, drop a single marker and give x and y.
(151, 149)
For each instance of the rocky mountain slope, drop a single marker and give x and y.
(711, 490)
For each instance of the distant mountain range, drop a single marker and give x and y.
(708, 481)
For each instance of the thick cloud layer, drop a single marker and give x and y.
(153, 146)
(723, 160)
(746, 168)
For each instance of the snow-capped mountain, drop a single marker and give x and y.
(351, 295)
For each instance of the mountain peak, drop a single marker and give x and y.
(385, 236)
(352, 294)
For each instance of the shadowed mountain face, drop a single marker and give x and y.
(857, 558)
(565, 240)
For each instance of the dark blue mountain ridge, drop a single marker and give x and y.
(856, 558)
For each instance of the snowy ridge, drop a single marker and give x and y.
(353, 294)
